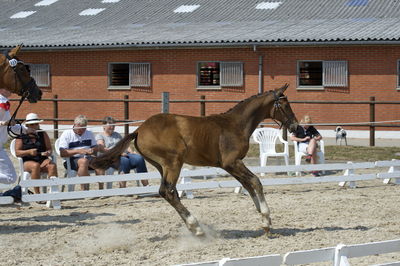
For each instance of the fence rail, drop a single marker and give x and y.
(165, 102)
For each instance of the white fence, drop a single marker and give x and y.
(338, 255)
(349, 177)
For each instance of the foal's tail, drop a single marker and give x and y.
(108, 158)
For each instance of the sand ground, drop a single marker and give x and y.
(148, 231)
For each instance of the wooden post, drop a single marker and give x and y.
(202, 105)
(165, 102)
(372, 119)
(55, 116)
(126, 114)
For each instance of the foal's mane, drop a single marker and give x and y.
(259, 95)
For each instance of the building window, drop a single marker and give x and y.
(220, 74)
(398, 74)
(129, 75)
(140, 74)
(322, 74)
(41, 74)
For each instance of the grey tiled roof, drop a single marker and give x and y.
(215, 22)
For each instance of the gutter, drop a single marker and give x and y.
(201, 45)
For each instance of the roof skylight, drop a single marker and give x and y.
(91, 11)
(23, 14)
(268, 5)
(45, 2)
(186, 8)
(357, 2)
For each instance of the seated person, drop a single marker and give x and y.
(35, 149)
(129, 160)
(80, 146)
(307, 136)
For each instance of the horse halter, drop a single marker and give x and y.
(278, 106)
(25, 92)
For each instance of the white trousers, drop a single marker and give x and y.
(7, 170)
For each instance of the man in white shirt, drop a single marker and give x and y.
(80, 146)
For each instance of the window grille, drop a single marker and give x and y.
(140, 74)
(335, 73)
(231, 74)
(41, 74)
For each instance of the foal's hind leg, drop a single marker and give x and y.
(168, 191)
(252, 183)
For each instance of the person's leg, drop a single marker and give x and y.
(49, 167)
(7, 170)
(124, 167)
(34, 169)
(100, 172)
(83, 170)
(137, 161)
(312, 149)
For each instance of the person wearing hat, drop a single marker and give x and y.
(7, 170)
(307, 136)
(35, 149)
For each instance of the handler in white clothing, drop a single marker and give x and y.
(7, 170)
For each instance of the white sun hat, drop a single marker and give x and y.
(32, 118)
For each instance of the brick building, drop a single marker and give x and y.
(343, 50)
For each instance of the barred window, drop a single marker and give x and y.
(140, 74)
(322, 74)
(126, 75)
(220, 74)
(41, 74)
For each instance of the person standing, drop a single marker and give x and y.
(7, 170)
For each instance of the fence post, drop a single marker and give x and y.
(55, 115)
(202, 105)
(372, 119)
(165, 102)
(126, 114)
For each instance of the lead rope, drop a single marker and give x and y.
(10, 132)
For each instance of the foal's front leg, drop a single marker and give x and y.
(248, 179)
(168, 191)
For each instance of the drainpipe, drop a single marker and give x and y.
(260, 70)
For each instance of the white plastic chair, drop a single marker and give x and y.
(267, 139)
(298, 155)
(22, 173)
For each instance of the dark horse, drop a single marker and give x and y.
(15, 76)
(167, 141)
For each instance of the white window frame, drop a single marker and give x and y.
(334, 74)
(224, 81)
(41, 74)
(398, 75)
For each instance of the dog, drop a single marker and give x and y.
(340, 135)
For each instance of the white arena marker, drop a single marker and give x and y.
(268, 5)
(186, 8)
(91, 11)
(110, 1)
(23, 14)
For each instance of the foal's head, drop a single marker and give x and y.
(281, 110)
(15, 76)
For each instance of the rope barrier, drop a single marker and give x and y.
(314, 124)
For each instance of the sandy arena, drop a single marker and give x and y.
(147, 231)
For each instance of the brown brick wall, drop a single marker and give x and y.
(83, 75)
